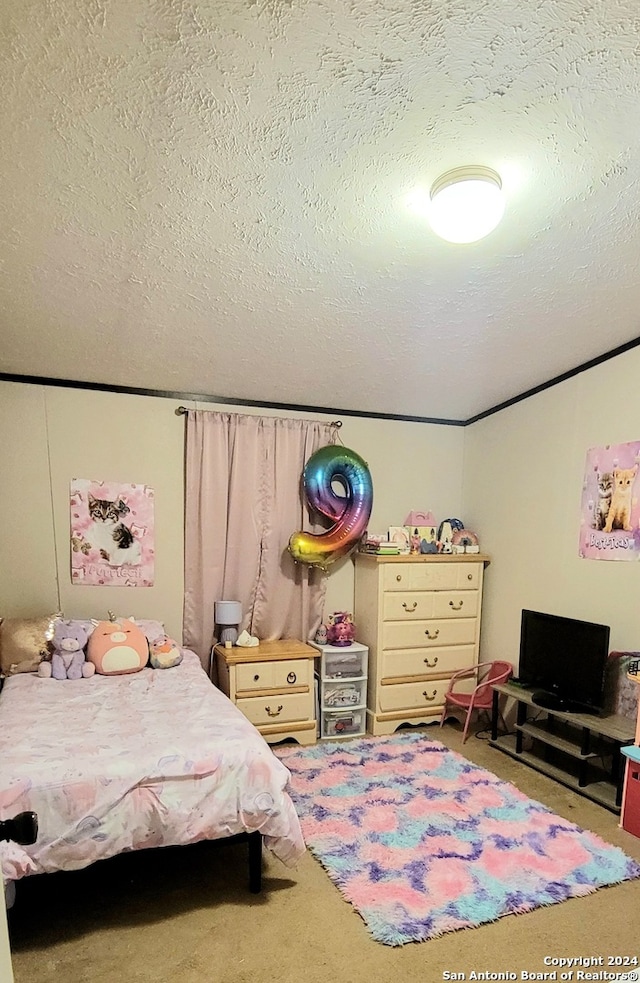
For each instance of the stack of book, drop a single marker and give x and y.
(381, 547)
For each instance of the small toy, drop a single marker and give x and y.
(341, 630)
(321, 635)
(464, 541)
(68, 659)
(164, 654)
(445, 534)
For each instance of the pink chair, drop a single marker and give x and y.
(487, 675)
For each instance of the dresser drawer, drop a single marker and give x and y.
(449, 576)
(412, 696)
(423, 605)
(427, 634)
(280, 709)
(405, 606)
(273, 675)
(456, 604)
(419, 662)
(432, 575)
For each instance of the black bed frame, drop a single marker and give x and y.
(254, 841)
(255, 861)
(23, 828)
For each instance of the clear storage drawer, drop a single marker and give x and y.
(342, 662)
(342, 723)
(343, 693)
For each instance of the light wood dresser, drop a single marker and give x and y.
(272, 683)
(420, 618)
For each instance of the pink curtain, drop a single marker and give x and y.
(243, 500)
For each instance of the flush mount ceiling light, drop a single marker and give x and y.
(466, 204)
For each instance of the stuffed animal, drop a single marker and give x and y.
(68, 659)
(321, 635)
(341, 630)
(164, 653)
(117, 647)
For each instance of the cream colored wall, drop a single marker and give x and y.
(27, 551)
(49, 435)
(523, 474)
(413, 466)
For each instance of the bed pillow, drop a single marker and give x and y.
(154, 630)
(24, 643)
(117, 647)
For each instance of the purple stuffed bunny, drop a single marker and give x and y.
(68, 660)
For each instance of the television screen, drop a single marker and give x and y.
(564, 661)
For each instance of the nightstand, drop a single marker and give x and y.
(272, 683)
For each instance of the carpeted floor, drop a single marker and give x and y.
(422, 841)
(185, 916)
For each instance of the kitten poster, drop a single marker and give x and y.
(112, 534)
(610, 514)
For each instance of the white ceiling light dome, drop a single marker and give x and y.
(467, 204)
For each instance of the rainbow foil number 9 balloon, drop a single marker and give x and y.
(349, 513)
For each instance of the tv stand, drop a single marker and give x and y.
(579, 750)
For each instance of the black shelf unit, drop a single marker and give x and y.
(579, 750)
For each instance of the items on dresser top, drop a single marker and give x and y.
(272, 684)
(420, 619)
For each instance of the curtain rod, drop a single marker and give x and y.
(182, 410)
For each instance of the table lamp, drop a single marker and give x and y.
(228, 615)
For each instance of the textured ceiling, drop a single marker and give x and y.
(211, 197)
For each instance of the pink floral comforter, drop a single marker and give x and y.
(113, 763)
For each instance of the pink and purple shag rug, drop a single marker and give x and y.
(422, 842)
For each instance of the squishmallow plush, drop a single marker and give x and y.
(164, 653)
(116, 647)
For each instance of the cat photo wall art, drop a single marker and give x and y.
(610, 516)
(112, 533)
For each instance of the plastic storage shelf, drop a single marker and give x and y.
(341, 678)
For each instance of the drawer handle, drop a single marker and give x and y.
(431, 698)
(407, 608)
(431, 665)
(429, 635)
(456, 607)
(291, 678)
(399, 577)
(256, 678)
(274, 713)
(469, 576)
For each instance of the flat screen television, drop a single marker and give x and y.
(563, 660)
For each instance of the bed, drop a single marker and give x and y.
(127, 762)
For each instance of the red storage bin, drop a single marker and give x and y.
(631, 802)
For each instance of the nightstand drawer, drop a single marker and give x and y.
(281, 709)
(273, 675)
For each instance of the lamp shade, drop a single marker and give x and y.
(466, 204)
(228, 612)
